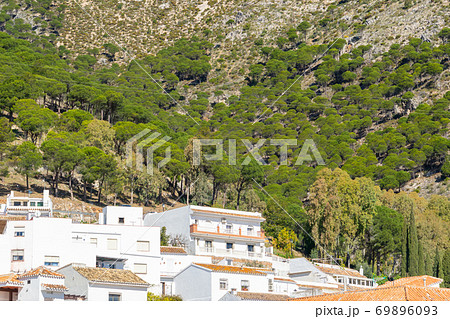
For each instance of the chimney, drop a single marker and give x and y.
(424, 281)
(361, 270)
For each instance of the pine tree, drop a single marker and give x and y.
(413, 248)
(437, 264)
(421, 260)
(404, 249)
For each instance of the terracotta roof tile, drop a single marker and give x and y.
(11, 217)
(340, 271)
(232, 269)
(406, 293)
(285, 279)
(106, 275)
(227, 214)
(51, 287)
(417, 281)
(173, 250)
(41, 271)
(256, 296)
(10, 279)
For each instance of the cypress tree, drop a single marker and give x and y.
(446, 268)
(421, 260)
(428, 264)
(413, 248)
(437, 263)
(404, 248)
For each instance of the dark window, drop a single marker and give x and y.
(20, 233)
(229, 245)
(17, 203)
(40, 204)
(114, 297)
(32, 203)
(121, 220)
(250, 248)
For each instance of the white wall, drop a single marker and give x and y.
(257, 283)
(100, 292)
(193, 284)
(32, 289)
(132, 216)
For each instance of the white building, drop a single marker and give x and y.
(215, 231)
(174, 260)
(103, 284)
(316, 278)
(40, 284)
(53, 242)
(28, 206)
(212, 282)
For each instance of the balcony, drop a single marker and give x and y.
(223, 232)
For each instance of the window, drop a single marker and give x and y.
(19, 232)
(229, 245)
(140, 269)
(112, 244)
(249, 230)
(40, 204)
(32, 204)
(208, 245)
(94, 241)
(245, 285)
(121, 220)
(229, 228)
(114, 297)
(223, 284)
(17, 203)
(51, 261)
(143, 246)
(251, 248)
(17, 254)
(270, 284)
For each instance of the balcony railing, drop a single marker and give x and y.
(194, 228)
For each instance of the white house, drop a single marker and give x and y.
(29, 206)
(121, 215)
(317, 278)
(215, 231)
(212, 282)
(103, 284)
(53, 242)
(40, 284)
(174, 260)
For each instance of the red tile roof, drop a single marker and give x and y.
(50, 287)
(232, 269)
(41, 271)
(227, 214)
(257, 296)
(172, 250)
(114, 276)
(340, 271)
(417, 281)
(285, 279)
(406, 293)
(10, 279)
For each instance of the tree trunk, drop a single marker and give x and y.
(132, 195)
(84, 190)
(27, 181)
